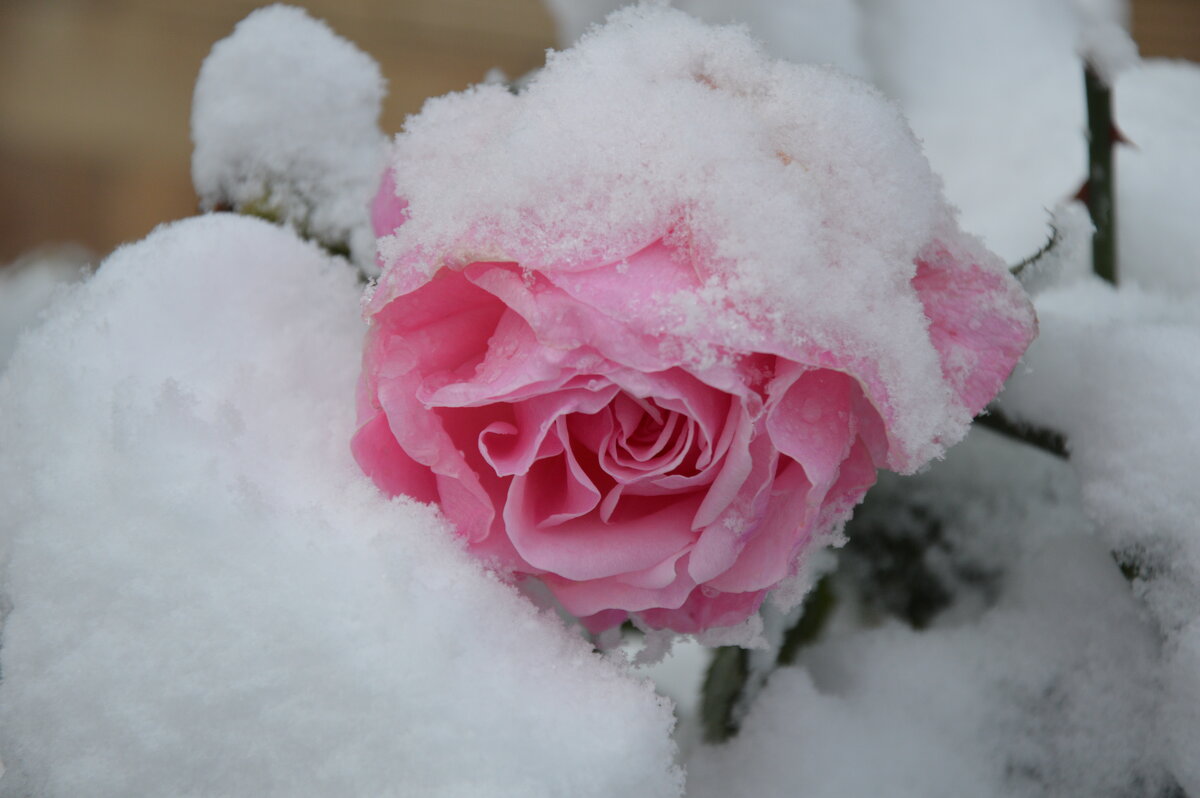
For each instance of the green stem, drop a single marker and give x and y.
(1101, 182)
(818, 606)
(1048, 440)
(727, 684)
(723, 685)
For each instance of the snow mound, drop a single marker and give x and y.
(205, 596)
(285, 122)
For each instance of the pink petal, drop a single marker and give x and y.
(980, 322)
(424, 438)
(603, 621)
(705, 609)
(770, 549)
(389, 466)
(514, 448)
(722, 541)
(585, 598)
(514, 364)
(388, 211)
(657, 271)
(810, 418)
(587, 548)
(563, 323)
(855, 476)
(440, 331)
(555, 490)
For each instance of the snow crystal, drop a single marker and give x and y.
(285, 122)
(793, 182)
(204, 594)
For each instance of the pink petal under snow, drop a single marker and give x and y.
(388, 211)
(811, 418)
(980, 322)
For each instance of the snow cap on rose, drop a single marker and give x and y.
(647, 330)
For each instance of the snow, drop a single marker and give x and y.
(29, 285)
(285, 122)
(1116, 370)
(204, 594)
(1104, 41)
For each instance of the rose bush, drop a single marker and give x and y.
(568, 438)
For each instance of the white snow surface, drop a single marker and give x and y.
(285, 118)
(204, 595)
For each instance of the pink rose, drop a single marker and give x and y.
(646, 330)
(571, 437)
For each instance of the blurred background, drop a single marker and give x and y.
(95, 95)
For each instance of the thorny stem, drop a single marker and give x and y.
(1053, 241)
(1100, 189)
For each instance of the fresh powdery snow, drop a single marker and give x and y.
(285, 122)
(206, 597)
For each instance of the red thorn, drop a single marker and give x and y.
(1119, 137)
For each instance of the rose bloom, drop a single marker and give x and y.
(569, 438)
